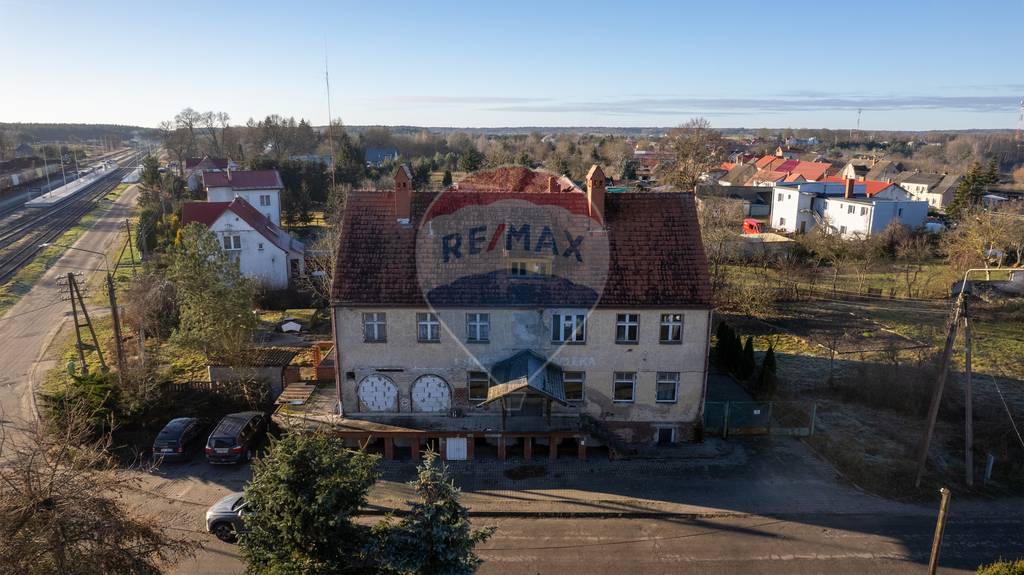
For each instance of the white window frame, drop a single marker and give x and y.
(624, 323)
(622, 378)
(478, 377)
(668, 321)
(575, 376)
(475, 324)
(379, 323)
(265, 199)
(667, 377)
(864, 211)
(842, 229)
(236, 241)
(782, 222)
(576, 324)
(851, 209)
(428, 328)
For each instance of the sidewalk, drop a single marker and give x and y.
(776, 476)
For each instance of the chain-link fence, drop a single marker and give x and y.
(725, 418)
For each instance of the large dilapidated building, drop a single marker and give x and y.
(517, 312)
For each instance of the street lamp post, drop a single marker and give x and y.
(115, 319)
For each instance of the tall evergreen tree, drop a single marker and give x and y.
(991, 175)
(307, 492)
(435, 538)
(471, 160)
(214, 301)
(968, 191)
(447, 179)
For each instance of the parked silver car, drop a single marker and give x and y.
(225, 518)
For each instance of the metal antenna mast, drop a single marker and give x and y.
(330, 118)
(858, 120)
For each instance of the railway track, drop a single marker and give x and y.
(45, 227)
(4, 212)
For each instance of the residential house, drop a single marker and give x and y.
(589, 323)
(789, 152)
(844, 207)
(738, 175)
(936, 189)
(884, 171)
(195, 167)
(260, 188)
(378, 156)
(24, 151)
(263, 250)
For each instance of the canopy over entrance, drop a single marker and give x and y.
(527, 373)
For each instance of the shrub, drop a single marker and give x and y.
(1002, 568)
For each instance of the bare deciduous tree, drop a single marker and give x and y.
(61, 511)
(698, 148)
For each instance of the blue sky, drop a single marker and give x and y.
(910, 64)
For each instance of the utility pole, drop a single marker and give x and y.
(940, 530)
(933, 410)
(118, 345)
(131, 254)
(969, 423)
(74, 292)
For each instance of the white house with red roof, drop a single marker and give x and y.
(847, 207)
(263, 250)
(260, 188)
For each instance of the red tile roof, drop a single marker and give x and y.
(244, 180)
(656, 258)
(764, 161)
(871, 187)
(207, 213)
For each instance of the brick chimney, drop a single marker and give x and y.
(229, 173)
(553, 186)
(849, 188)
(595, 193)
(403, 193)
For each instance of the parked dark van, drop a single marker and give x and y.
(180, 439)
(236, 437)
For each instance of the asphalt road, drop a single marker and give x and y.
(727, 545)
(27, 327)
(740, 545)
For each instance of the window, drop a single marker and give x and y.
(626, 328)
(780, 197)
(788, 196)
(852, 208)
(842, 229)
(529, 268)
(479, 382)
(429, 327)
(899, 213)
(260, 245)
(782, 222)
(375, 327)
(624, 384)
(265, 200)
(478, 327)
(232, 242)
(667, 385)
(573, 385)
(568, 328)
(671, 328)
(863, 211)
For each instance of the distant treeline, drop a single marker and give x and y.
(29, 133)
